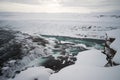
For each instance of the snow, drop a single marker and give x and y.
(115, 34)
(73, 25)
(35, 73)
(87, 73)
(12, 61)
(66, 42)
(81, 45)
(91, 58)
(5, 68)
(89, 66)
(116, 44)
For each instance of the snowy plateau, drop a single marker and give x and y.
(59, 46)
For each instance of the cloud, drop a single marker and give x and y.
(34, 2)
(80, 6)
(15, 7)
(90, 3)
(94, 5)
(22, 1)
(71, 3)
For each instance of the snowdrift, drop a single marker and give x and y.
(89, 66)
(35, 73)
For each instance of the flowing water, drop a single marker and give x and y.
(68, 45)
(71, 46)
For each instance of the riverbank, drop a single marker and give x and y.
(90, 64)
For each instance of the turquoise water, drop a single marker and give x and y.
(86, 41)
(70, 47)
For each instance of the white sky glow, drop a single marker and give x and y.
(59, 6)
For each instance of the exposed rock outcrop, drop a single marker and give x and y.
(109, 52)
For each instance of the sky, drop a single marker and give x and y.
(59, 6)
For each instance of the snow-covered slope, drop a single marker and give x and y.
(116, 44)
(36, 73)
(91, 58)
(89, 66)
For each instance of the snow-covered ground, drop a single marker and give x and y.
(36, 73)
(89, 64)
(74, 25)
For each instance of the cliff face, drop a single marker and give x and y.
(111, 49)
(109, 52)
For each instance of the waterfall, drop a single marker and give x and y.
(29, 51)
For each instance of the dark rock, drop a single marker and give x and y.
(36, 79)
(109, 52)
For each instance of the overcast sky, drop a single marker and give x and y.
(59, 6)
